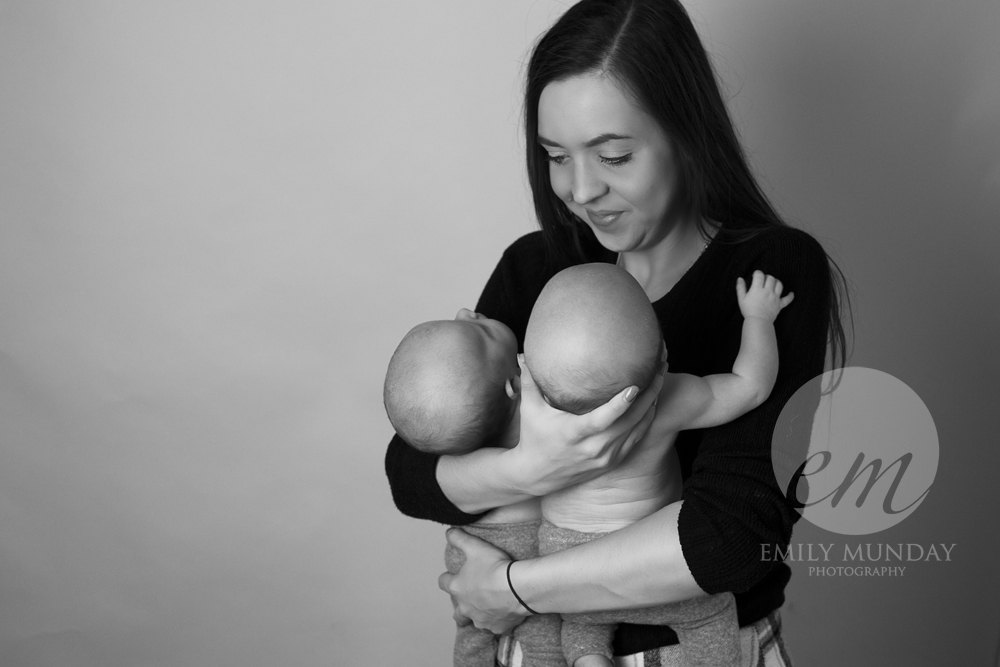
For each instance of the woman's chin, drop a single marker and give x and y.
(616, 240)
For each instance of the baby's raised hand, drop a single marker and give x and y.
(763, 299)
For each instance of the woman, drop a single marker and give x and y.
(632, 158)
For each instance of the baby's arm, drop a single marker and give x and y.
(718, 399)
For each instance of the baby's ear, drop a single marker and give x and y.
(513, 387)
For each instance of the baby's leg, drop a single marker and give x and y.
(538, 636)
(706, 626)
(587, 644)
(590, 641)
(473, 647)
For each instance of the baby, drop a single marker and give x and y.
(593, 332)
(453, 386)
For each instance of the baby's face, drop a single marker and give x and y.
(498, 344)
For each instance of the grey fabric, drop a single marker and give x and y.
(706, 626)
(538, 636)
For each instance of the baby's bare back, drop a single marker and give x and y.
(647, 480)
(591, 334)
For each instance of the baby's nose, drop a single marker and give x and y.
(465, 314)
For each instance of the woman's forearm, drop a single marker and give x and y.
(555, 449)
(641, 565)
(481, 480)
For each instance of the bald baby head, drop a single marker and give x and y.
(444, 389)
(591, 334)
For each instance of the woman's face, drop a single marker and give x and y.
(609, 161)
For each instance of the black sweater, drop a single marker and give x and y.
(732, 503)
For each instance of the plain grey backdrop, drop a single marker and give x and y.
(217, 219)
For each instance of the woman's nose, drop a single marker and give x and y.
(587, 185)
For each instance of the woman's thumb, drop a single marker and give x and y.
(603, 416)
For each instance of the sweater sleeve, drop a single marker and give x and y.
(732, 502)
(413, 474)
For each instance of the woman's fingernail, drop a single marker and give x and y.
(630, 394)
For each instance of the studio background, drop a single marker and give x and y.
(218, 218)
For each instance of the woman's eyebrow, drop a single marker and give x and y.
(599, 139)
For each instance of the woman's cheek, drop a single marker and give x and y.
(561, 184)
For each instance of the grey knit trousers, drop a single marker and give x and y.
(538, 635)
(706, 626)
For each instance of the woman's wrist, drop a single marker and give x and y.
(641, 565)
(510, 584)
(531, 587)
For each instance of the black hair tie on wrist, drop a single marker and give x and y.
(530, 610)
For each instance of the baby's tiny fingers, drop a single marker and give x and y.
(758, 279)
(787, 299)
(778, 287)
(741, 287)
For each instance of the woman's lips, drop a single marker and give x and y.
(603, 218)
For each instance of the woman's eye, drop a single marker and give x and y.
(616, 161)
(557, 159)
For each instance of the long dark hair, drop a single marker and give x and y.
(651, 49)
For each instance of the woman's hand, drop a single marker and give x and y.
(557, 449)
(479, 592)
